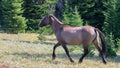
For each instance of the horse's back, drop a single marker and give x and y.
(77, 35)
(88, 33)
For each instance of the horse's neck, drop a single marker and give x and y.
(56, 25)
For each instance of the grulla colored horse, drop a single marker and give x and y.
(68, 35)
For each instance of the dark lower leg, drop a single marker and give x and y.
(67, 52)
(103, 57)
(54, 55)
(100, 51)
(85, 53)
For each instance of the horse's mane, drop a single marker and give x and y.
(62, 24)
(56, 19)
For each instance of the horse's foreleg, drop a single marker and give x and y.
(67, 52)
(85, 53)
(55, 46)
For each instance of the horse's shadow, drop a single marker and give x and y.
(63, 56)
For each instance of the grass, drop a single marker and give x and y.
(26, 51)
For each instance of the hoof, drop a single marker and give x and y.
(80, 61)
(104, 62)
(53, 58)
(71, 61)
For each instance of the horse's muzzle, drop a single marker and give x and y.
(39, 25)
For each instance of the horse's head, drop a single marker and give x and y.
(45, 21)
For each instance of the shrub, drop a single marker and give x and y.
(110, 44)
(13, 21)
(91, 50)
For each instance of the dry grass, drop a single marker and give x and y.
(26, 51)
(19, 37)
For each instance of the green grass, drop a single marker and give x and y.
(26, 51)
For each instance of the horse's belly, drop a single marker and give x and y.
(74, 39)
(73, 43)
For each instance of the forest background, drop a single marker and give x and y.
(23, 16)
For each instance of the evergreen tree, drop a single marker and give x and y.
(12, 20)
(35, 10)
(59, 9)
(112, 20)
(72, 18)
(117, 24)
(76, 20)
(91, 11)
(0, 13)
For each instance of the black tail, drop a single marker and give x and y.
(103, 41)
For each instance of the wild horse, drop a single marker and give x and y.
(66, 34)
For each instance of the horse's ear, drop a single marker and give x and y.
(50, 15)
(50, 18)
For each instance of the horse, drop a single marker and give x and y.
(69, 35)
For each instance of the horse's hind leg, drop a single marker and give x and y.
(85, 52)
(100, 51)
(67, 52)
(55, 46)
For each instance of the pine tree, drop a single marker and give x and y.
(59, 9)
(0, 14)
(117, 25)
(91, 11)
(72, 18)
(13, 21)
(111, 25)
(76, 20)
(35, 10)
(112, 18)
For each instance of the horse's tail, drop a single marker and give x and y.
(103, 41)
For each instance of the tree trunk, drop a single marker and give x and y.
(59, 8)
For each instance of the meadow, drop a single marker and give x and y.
(27, 51)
